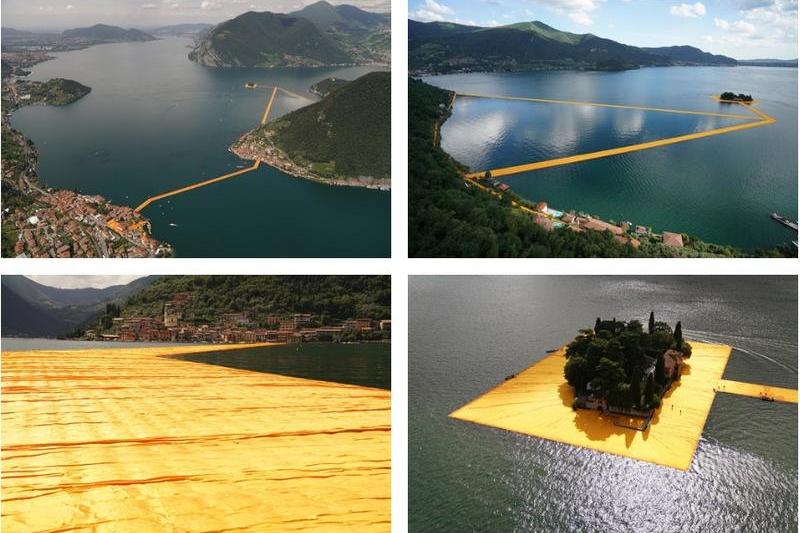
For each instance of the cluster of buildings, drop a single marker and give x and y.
(550, 219)
(234, 327)
(66, 224)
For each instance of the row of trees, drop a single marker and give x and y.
(727, 95)
(612, 359)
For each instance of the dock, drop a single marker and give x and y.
(205, 183)
(128, 440)
(538, 402)
(784, 220)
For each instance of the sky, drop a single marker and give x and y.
(63, 14)
(742, 29)
(82, 282)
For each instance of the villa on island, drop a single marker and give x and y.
(619, 368)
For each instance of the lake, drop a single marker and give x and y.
(721, 188)
(367, 364)
(466, 334)
(155, 121)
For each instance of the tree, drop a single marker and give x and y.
(661, 374)
(636, 388)
(651, 324)
(487, 175)
(578, 372)
(678, 336)
(597, 324)
(650, 393)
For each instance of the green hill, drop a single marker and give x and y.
(324, 87)
(689, 55)
(317, 35)
(440, 47)
(334, 297)
(36, 310)
(345, 135)
(267, 40)
(104, 33)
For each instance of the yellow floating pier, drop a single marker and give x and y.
(123, 440)
(211, 181)
(538, 402)
(753, 390)
(761, 119)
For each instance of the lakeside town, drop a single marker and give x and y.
(551, 219)
(39, 221)
(232, 328)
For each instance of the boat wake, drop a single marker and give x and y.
(704, 336)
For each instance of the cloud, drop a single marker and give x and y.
(149, 6)
(80, 282)
(577, 10)
(741, 27)
(432, 11)
(688, 10)
(208, 4)
(69, 6)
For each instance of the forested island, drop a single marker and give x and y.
(621, 367)
(733, 97)
(344, 139)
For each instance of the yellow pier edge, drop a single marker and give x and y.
(538, 402)
(211, 181)
(761, 119)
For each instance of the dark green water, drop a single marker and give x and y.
(467, 333)
(369, 365)
(155, 121)
(721, 188)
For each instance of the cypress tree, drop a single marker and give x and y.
(651, 324)
(597, 324)
(678, 336)
(649, 392)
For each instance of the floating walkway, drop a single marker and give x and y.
(126, 440)
(762, 392)
(538, 402)
(211, 181)
(761, 119)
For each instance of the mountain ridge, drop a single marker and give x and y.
(441, 47)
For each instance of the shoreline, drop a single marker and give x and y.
(276, 158)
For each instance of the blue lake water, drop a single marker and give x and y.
(155, 121)
(721, 188)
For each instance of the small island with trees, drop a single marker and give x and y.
(621, 368)
(728, 96)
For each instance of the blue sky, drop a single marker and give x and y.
(744, 29)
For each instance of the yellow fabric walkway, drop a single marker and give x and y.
(124, 441)
(538, 402)
(761, 119)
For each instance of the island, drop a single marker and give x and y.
(344, 139)
(733, 97)
(619, 368)
(317, 35)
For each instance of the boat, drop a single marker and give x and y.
(785, 221)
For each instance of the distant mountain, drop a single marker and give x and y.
(11, 32)
(346, 135)
(103, 33)
(35, 310)
(317, 35)
(181, 30)
(689, 55)
(768, 62)
(439, 47)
